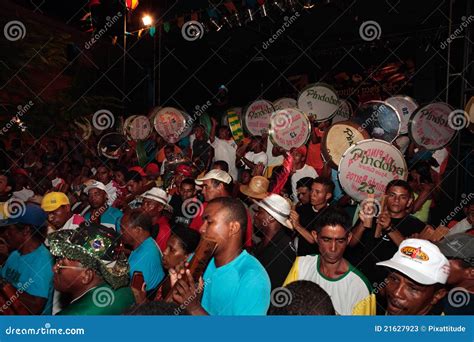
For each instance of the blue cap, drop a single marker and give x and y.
(29, 214)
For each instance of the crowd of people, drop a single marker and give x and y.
(82, 234)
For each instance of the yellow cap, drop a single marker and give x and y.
(53, 201)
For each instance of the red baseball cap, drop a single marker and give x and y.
(152, 169)
(139, 170)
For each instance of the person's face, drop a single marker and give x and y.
(457, 273)
(199, 132)
(261, 219)
(68, 279)
(103, 175)
(152, 207)
(319, 195)
(187, 191)
(97, 198)
(119, 177)
(224, 133)
(298, 157)
(59, 216)
(407, 297)
(51, 172)
(15, 237)
(169, 153)
(304, 195)
(209, 191)
(134, 187)
(216, 227)
(174, 253)
(398, 200)
(4, 187)
(332, 241)
(127, 231)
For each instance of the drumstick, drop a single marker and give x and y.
(378, 228)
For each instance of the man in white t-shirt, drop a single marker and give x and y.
(254, 154)
(465, 224)
(224, 147)
(300, 169)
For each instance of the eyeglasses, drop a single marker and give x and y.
(59, 266)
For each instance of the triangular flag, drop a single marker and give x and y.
(166, 26)
(194, 16)
(180, 22)
(230, 6)
(152, 31)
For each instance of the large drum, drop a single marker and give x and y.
(112, 145)
(430, 126)
(379, 119)
(319, 101)
(344, 112)
(368, 166)
(338, 138)
(138, 128)
(257, 117)
(233, 117)
(285, 102)
(170, 123)
(405, 106)
(289, 128)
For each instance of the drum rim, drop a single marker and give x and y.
(282, 98)
(409, 99)
(102, 137)
(174, 109)
(270, 130)
(327, 156)
(372, 140)
(410, 125)
(131, 121)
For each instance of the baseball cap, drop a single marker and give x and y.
(459, 246)
(95, 185)
(217, 175)
(420, 260)
(156, 194)
(139, 170)
(53, 201)
(152, 169)
(29, 214)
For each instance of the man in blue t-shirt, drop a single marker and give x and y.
(235, 283)
(29, 267)
(145, 256)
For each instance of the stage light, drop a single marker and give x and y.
(147, 20)
(308, 4)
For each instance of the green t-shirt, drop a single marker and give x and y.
(101, 300)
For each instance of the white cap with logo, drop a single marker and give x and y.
(219, 175)
(420, 260)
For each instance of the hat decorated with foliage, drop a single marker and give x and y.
(96, 247)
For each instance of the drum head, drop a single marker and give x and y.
(318, 101)
(430, 126)
(285, 102)
(126, 123)
(289, 128)
(368, 166)
(379, 119)
(139, 128)
(112, 145)
(338, 138)
(405, 106)
(257, 117)
(170, 123)
(344, 112)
